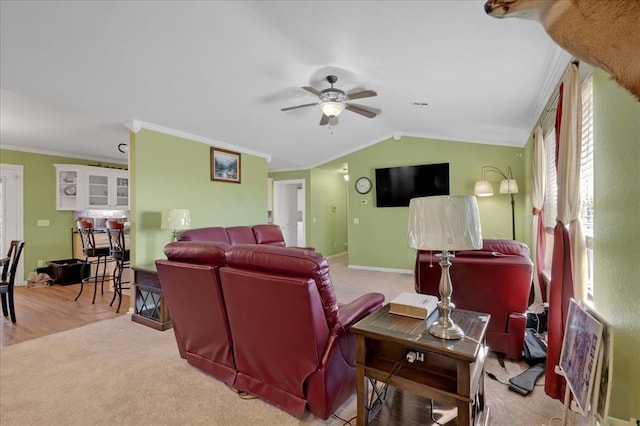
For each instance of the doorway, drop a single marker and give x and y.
(11, 211)
(289, 201)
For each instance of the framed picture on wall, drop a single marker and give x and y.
(225, 165)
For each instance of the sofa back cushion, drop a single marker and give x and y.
(214, 233)
(268, 234)
(199, 252)
(291, 262)
(240, 235)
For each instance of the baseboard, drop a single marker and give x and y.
(373, 268)
(612, 421)
(336, 255)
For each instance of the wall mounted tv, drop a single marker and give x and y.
(396, 186)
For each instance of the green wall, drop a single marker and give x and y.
(51, 242)
(328, 211)
(380, 237)
(171, 172)
(616, 234)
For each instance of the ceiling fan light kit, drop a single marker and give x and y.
(333, 101)
(332, 109)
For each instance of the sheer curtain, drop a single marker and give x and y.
(537, 196)
(568, 266)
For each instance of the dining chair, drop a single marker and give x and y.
(120, 254)
(9, 266)
(92, 256)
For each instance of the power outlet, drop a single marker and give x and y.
(413, 356)
(40, 263)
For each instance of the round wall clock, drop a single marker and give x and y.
(363, 185)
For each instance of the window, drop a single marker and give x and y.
(586, 182)
(586, 177)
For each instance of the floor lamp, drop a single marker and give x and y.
(445, 223)
(508, 186)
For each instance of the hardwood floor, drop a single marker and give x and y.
(46, 310)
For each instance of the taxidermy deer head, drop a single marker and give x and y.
(605, 34)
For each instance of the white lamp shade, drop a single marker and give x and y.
(444, 222)
(509, 186)
(174, 219)
(483, 188)
(332, 109)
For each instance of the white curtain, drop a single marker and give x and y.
(569, 155)
(537, 199)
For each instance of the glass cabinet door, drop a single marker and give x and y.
(98, 190)
(122, 192)
(67, 194)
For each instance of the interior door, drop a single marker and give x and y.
(288, 210)
(11, 212)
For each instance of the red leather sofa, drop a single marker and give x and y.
(265, 320)
(257, 234)
(495, 279)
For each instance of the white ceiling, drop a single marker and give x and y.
(72, 73)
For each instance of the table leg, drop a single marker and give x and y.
(362, 385)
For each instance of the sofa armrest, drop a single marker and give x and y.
(348, 315)
(353, 312)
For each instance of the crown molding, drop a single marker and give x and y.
(63, 154)
(136, 125)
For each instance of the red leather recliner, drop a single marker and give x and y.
(495, 279)
(190, 282)
(291, 339)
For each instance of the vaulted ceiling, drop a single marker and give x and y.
(72, 73)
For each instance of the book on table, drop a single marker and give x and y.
(413, 305)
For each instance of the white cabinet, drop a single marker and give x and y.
(89, 188)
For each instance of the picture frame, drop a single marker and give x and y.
(225, 165)
(580, 353)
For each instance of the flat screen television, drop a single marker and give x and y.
(396, 186)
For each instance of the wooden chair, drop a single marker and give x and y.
(92, 256)
(9, 266)
(120, 254)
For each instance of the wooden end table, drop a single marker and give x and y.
(150, 307)
(451, 371)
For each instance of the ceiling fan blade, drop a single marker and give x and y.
(298, 106)
(311, 90)
(324, 120)
(363, 94)
(359, 109)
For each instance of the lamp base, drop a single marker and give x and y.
(449, 331)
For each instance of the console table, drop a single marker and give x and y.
(450, 372)
(150, 307)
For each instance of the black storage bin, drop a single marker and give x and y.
(68, 271)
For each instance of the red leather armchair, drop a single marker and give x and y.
(495, 279)
(190, 282)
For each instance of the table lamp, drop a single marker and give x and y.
(175, 220)
(445, 223)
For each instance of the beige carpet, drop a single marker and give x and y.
(118, 372)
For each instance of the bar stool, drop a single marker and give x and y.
(120, 254)
(92, 256)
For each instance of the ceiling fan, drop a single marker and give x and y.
(333, 101)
